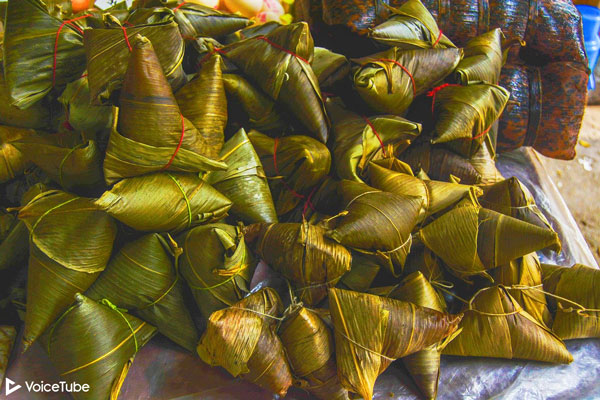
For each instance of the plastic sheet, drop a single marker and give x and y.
(163, 370)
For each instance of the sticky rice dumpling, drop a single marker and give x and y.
(244, 181)
(142, 278)
(151, 133)
(389, 81)
(71, 242)
(294, 164)
(471, 239)
(243, 340)
(436, 195)
(495, 325)
(107, 50)
(358, 140)
(259, 109)
(483, 59)
(301, 253)
(95, 343)
(196, 20)
(217, 265)
(440, 164)
(204, 103)
(424, 365)
(410, 26)
(279, 63)
(303, 333)
(577, 316)
(164, 202)
(40, 51)
(372, 331)
(77, 168)
(464, 115)
(523, 279)
(510, 197)
(376, 223)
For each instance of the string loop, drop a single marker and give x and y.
(287, 185)
(433, 92)
(412, 79)
(71, 24)
(266, 39)
(578, 308)
(178, 145)
(368, 121)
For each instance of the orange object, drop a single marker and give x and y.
(81, 5)
(248, 8)
(207, 3)
(594, 3)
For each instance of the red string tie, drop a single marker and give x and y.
(71, 24)
(308, 202)
(368, 121)
(438, 39)
(281, 48)
(412, 79)
(67, 125)
(127, 39)
(178, 145)
(287, 186)
(433, 92)
(482, 133)
(179, 6)
(210, 54)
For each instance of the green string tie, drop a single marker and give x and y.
(49, 211)
(120, 311)
(187, 201)
(62, 163)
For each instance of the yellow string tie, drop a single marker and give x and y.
(239, 270)
(162, 296)
(380, 252)
(230, 271)
(579, 309)
(530, 206)
(257, 312)
(364, 347)
(327, 283)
